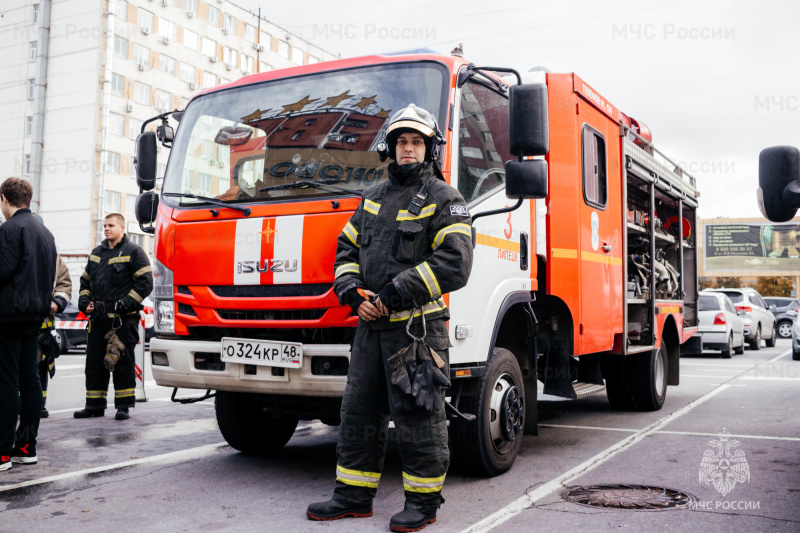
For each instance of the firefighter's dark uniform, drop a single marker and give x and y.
(61, 296)
(124, 274)
(424, 256)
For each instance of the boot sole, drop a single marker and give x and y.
(5, 466)
(346, 514)
(404, 529)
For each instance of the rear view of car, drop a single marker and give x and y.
(785, 310)
(721, 327)
(758, 320)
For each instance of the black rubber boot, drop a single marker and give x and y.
(335, 509)
(412, 518)
(122, 414)
(88, 413)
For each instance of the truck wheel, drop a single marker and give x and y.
(246, 428)
(489, 445)
(650, 387)
(785, 329)
(726, 351)
(755, 344)
(771, 341)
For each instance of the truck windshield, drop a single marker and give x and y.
(232, 143)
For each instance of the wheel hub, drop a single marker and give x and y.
(512, 413)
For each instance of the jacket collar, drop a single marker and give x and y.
(122, 242)
(21, 210)
(414, 179)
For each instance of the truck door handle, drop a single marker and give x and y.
(606, 248)
(523, 251)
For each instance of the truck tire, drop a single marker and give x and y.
(489, 445)
(650, 387)
(246, 428)
(771, 341)
(726, 351)
(755, 344)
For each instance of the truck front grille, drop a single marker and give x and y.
(270, 291)
(306, 314)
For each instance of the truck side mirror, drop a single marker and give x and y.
(147, 210)
(779, 182)
(526, 178)
(528, 120)
(145, 161)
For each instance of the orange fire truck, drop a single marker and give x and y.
(584, 276)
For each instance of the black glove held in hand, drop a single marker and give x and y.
(353, 298)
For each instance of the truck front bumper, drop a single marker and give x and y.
(181, 371)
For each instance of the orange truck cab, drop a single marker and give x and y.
(584, 274)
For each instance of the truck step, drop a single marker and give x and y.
(640, 349)
(582, 390)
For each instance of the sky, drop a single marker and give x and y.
(715, 81)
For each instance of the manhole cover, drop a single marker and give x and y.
(631, 497)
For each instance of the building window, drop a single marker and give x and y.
(595, 185)
(190, 6)
(283, 49)
(167, 28)
(166, 65)
(208, 149)
(141, 93)
(184, 102)
(229, 23)
(116, 124)
(191, 39)
(209, 80)
(130, 204)
(266, 41)
(112, 202)
(173, 3)
(141, 55)
(145, 21)
(312, 60)
(188, 180)
(250, 33)
(247, 63)
(120, 47)
(209, 47)
(29, 126)
(187, 72)
(204, 183)
(36, 13)
(134, 128)
(31, 86)
(111, 163)
(27, 163)
(163, 100)
(117, 84)
(229, 56)
(263, 67)
(297, 55)
(34, 47)
(121, 11)
(212, 15)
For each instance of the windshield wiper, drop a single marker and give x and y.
(245, 210)
(312, 184)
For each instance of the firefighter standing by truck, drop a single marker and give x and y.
(117, 278)
(408, 243)
(48, 347)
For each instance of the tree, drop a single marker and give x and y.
(774, 286)
(704, 283)
(729, 282)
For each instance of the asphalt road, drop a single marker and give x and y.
(168, 469)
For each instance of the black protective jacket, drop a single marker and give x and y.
(424, 255)
(27, 268)
(122, 273)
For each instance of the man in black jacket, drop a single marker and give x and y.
(117, 278)
(27, 272)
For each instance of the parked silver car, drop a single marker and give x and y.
(721, 326)
(759, 322)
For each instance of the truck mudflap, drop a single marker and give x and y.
(192, 364)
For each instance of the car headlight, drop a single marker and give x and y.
(163, 298)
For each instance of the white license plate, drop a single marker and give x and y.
(266, 353)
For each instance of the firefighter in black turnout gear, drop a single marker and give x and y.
(408, 243)
(117, 278)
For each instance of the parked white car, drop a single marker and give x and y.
(759, 322)
(721, 325)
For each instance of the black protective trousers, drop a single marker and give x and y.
(363, 434)
(97, 377)
(20, 389)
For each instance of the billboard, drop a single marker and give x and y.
(755, 247)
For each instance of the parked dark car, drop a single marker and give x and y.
(785, 310)
(70, 330)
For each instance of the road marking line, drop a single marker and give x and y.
(166, 458)
(720, 365)
(517, 506)
(784, 354)
(587, 427)
(706, 376)
(665, 432)
(756, 378)
(69, 367)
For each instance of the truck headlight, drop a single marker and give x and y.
(163, 297)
